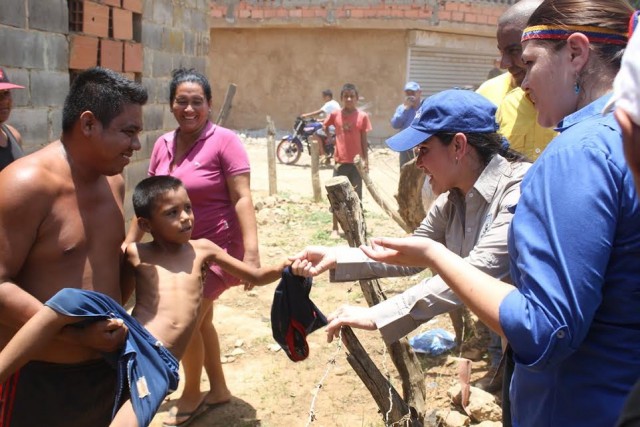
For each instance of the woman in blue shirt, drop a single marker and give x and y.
(572, 317)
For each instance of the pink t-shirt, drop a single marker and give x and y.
(217, 155)
(348, 133)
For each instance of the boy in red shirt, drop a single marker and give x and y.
(351, 126)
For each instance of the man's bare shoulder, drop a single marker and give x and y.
(38, 175)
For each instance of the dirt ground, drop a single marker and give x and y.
(270, 390)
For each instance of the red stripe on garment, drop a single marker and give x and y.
(7, 398)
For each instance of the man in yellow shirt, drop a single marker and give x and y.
(516, 113)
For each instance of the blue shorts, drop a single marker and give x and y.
(144, 366)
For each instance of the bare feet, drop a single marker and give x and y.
(186, 408)
(217, 397)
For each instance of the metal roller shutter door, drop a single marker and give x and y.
(437, 70)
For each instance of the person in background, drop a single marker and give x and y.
(61, 226)
(10, 139)
(214, 167)
(516, 113)
(571, 318)
(351, 126)
(330, 105)
(405, 113)
(496, 70)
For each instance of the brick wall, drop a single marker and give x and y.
(363, 12)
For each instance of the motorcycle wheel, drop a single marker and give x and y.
(288, 152)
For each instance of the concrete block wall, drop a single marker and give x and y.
(144, 39)
(35, 54)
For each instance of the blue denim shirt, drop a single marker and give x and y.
(574, 242)
(144, 367)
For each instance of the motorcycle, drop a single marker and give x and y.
(291, 146)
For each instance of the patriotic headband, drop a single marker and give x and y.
(557, 32)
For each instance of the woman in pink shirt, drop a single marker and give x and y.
(213, 164)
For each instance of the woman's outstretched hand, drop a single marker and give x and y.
(410, 251)
(313, 260)
(349, 315)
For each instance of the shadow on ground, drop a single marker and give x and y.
(237, 413)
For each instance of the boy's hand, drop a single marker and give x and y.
(312, 261)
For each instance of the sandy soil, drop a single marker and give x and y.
(268, 388)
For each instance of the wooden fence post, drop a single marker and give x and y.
(346, 206)
(315, 171)
(226, 106)
(271, 157)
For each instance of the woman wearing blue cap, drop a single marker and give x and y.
(10, 138)
(478, 178)
(572, 319)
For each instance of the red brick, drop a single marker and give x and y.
(471, 18)
(132, 5)
(457, 16)
(115, 3)
(217, 12)
(412, 13)
(451, 6)
(295, 13)
(270, 13)
(133, 57)
(83, 52)
(244, 14)
(122, 24)
(357, 13)
(444, 16)
(308, 13)
(493, 20)
(95, 19)
(130, 76)
(111, 53)
(282, 13)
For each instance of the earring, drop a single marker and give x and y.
(576, 87)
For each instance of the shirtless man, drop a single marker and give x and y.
(61, 226)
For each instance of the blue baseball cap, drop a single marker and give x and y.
(454, 110)
(412, 86)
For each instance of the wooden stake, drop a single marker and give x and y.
(315, 171)
(271, 157)
(226, 106)
(346, 206)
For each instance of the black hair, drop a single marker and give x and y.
(348, 86)
(487, 145)
(149, 189)
(182, 75)
(103, 92)
(327, 92)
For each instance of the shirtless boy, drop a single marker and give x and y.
(167, 276)
(61, 226)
